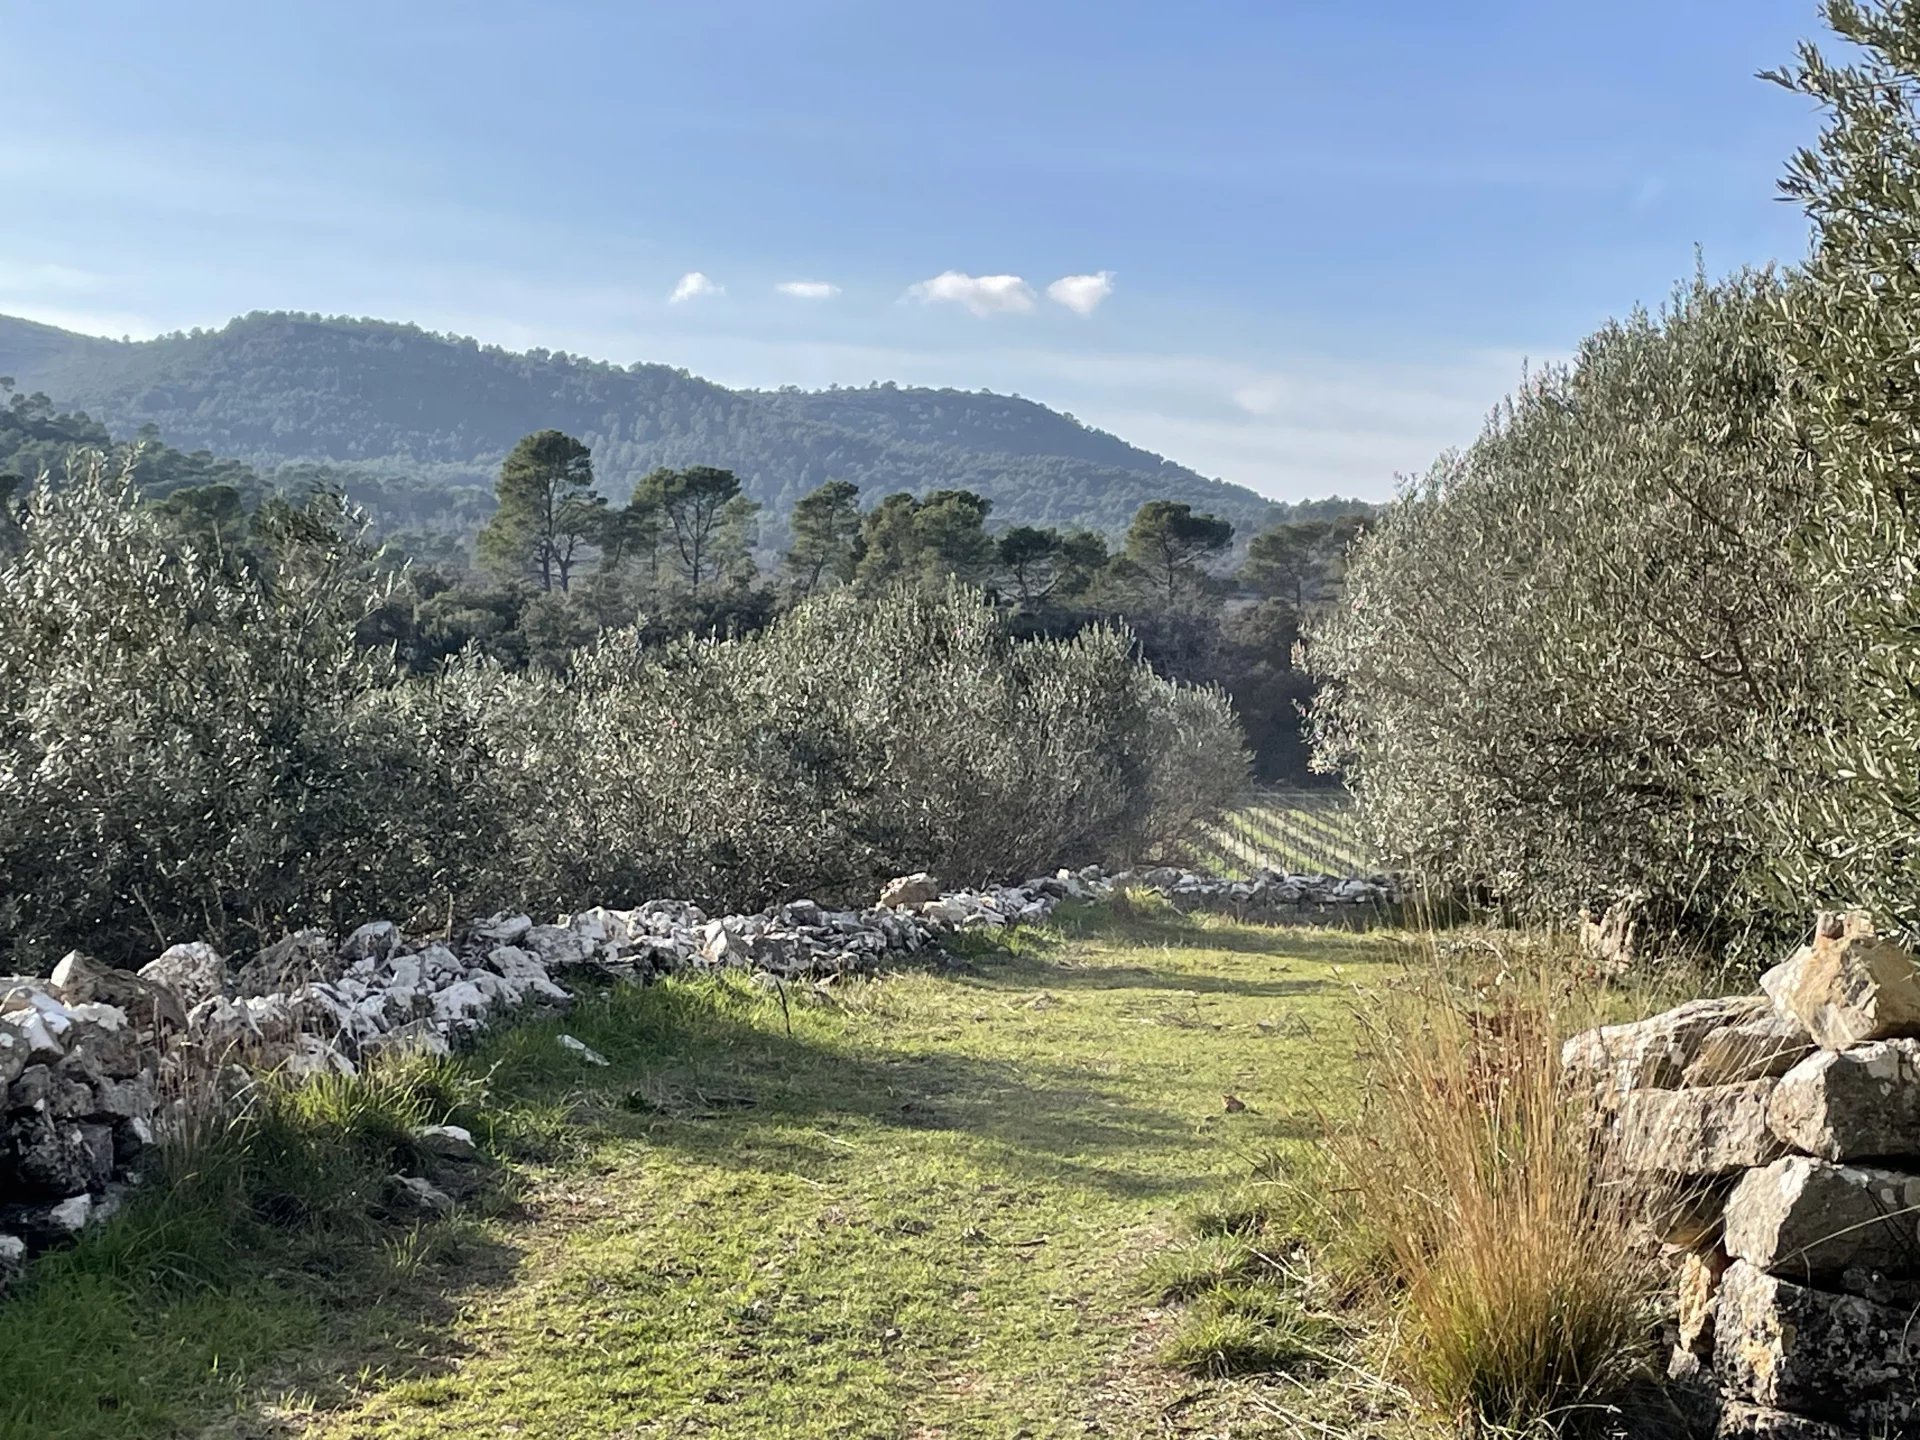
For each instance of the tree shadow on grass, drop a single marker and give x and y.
(124, 1336)
(705, 1075)
(706, 1070)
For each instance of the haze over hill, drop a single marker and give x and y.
(279, 388)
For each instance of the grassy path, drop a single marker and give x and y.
(919, 1212)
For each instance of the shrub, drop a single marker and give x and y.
(195, 745)
(1576, 661)
(859, 736)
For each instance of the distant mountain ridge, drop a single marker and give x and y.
(280, 388)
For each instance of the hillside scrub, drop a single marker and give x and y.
(1577, 660)
(197, 745)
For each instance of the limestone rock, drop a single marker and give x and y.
(42, 1032)
(13, 1055)
(411, 1195)
(81, 979)
(32, 1088)
(103, 1045)
(1851, 1105)
(1697, 1133)
(448, 1142)
(1740, 1421)
(1813, 1221)
(418, 1037)
(286, 965)
(944, 911)
(128, 1099)
(908, 890)
(13, 1260)
(68, 1091)
(585, 1051)
(194, 972)
(43, 1159)
(504, 929)
(97, 1143)
(375, 940)
(1760, 1049)
(1849, 986)
(1650, 1054)
(1698, 1292)
(1788, 1347)
(72, 1214)
(557, 947)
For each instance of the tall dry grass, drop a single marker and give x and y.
(1527, 1292)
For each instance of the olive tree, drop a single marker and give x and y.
(1852, 330)
(1573, 660)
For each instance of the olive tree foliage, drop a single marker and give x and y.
(196, 748)
(1574, 660)
(1852, 331)
(202, 747)
(862, 735)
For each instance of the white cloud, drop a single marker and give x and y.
(808, 289)
(692, 286)
(1261, 398)
(42, 279)
(982, 294)
(1081, 294)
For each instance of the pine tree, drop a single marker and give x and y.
(548, 512)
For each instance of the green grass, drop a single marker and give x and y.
(918, 1206)
(1298, 831)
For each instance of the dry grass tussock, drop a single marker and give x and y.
(1481, 1193)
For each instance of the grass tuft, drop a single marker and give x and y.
(1246, 1328)
(1202, 1264)
(1525, 1289)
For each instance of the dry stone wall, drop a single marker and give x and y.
(1272, 895)
(1780, 1136)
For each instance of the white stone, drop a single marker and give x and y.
(583, 1050)
(312, 1056)
(504, 927)
(460, 1003)
(374, 939)
(449, 1142)
(72, 1213)
(35, 1031)
(413, 1195)
(195, 971)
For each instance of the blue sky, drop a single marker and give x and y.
(1331, 233)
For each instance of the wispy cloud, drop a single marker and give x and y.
(45, 279)
(808, 289)
(982, 294)
(1081, 294)
(693, 286)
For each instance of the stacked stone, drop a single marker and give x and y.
(1783, 1134)
(86, 1053)
(1271, 894)
(78, 1063)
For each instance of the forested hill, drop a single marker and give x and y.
(278, 388)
